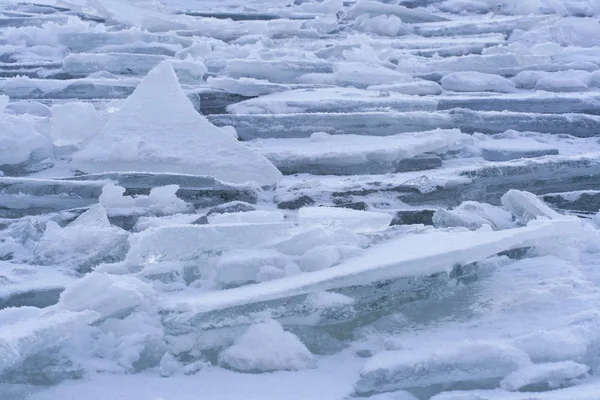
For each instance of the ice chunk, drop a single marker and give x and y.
(195, 242)
(248, 217)
(83, 244)
(26, 331)
(307, 239)
(112, 197)
(527, 206)
(542, 377)
(324, 154)
(246, 86)
(471, 81)
(148, 134)
(510, 149)
(563, 81)
(18, 139)
(163, 200)
(73, 123)
(473, 215)
(357, 74)
(384, 25)
(242, 266)
(276, 71)
(95, 216)
(330, 100)
(144, 223)
(429, 253)
(354, 220)
(110, 296)
(450, 363)
(267, 347)
(418, 87)
(408, 15)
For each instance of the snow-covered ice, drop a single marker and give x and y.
(307, 199)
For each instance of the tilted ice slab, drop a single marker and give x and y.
(354, 154)
(330, 100)
(153, 135)
(429, 253)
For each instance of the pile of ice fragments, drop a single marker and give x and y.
(390, 200)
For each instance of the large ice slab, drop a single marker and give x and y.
(148, 134)
(449, 363)
(26, 332)
(330, 100)
(471, 81)
(354, 220)
(195, 242)
(253, 126)
(276, 71)
(510, 149)
(355, 154)
(408, 15)
(430, 253)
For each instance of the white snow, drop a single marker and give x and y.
(267, 347)
(149, 134)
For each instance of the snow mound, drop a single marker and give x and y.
(153, 135)
(267, 347)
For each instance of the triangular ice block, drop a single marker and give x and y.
(158, 130)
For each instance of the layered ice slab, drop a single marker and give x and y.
(377, 123)
(158, 130)
(510, 149)
(424, 254)
(462, 362)
(324, 154)
(331, 100)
